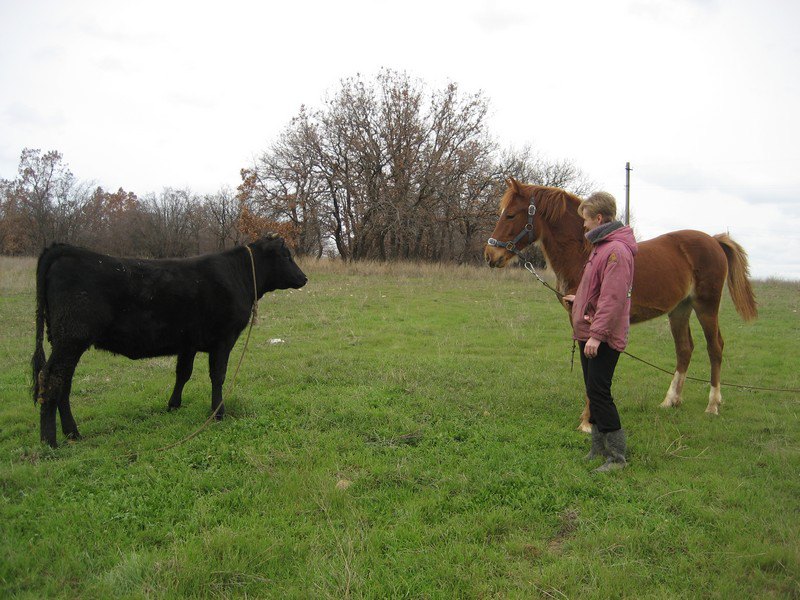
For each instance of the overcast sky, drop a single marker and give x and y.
(701, 96)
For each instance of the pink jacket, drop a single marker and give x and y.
(604, 293)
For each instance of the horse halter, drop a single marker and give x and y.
(527, 230)
(512, 247)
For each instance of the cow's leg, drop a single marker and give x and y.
(217, 367)
(68, 425)
(47, 423)
(183, 371)
(55, 383)
(684, 346)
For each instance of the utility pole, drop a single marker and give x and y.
(627, 193)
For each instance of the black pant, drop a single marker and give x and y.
(597, 375)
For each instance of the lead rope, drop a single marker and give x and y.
(738, 385)
(572, 358)
(529, 266)
(253, 319)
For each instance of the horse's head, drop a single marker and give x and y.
(516, 228)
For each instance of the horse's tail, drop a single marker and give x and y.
(738, 277)
(38, 360)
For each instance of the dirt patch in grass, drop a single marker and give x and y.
(567, 527)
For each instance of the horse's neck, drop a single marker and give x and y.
(566, 251)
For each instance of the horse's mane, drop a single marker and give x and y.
(551, 203)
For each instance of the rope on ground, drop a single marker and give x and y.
(722, 383)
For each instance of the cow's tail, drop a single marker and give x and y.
(38, 360)
(738, 277)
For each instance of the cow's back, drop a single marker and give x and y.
(141, 308)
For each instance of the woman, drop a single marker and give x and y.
(601, 318)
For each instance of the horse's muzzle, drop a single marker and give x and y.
(495, 257)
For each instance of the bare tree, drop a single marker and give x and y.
(380, 171)
(531, 167)
(109, 221)
(222, 210)
(43, 204)
(14, 238)
(167, 228)
(285, 186)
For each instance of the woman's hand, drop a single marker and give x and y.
(590, 349)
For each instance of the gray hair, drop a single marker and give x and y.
(599, 203)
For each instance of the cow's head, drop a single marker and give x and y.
(275, 262)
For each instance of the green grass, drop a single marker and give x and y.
(413, 437)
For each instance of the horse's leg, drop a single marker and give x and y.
(682, 336)
(585, 426)
(709, 320)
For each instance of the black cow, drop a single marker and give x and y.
(146, 308)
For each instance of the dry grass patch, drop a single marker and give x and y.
(16, 275)
(412, 270)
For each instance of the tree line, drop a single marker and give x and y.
(46, 203)
(384, 169)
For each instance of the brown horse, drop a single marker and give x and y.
(674, 273)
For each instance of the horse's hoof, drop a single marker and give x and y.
(74, 436)
(585, 428)
(713, 410)
(670, 403)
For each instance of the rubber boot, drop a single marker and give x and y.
(615, 451)
(598, 446)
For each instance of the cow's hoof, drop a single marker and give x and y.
(171, 407)
(219, 416)
(73, 436)
(52, 443)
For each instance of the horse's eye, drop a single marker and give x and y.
(510, 216)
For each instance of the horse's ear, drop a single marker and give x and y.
(513, 184)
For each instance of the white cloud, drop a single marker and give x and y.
(766, 231)
(699, 95)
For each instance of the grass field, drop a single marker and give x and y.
(414, 436)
